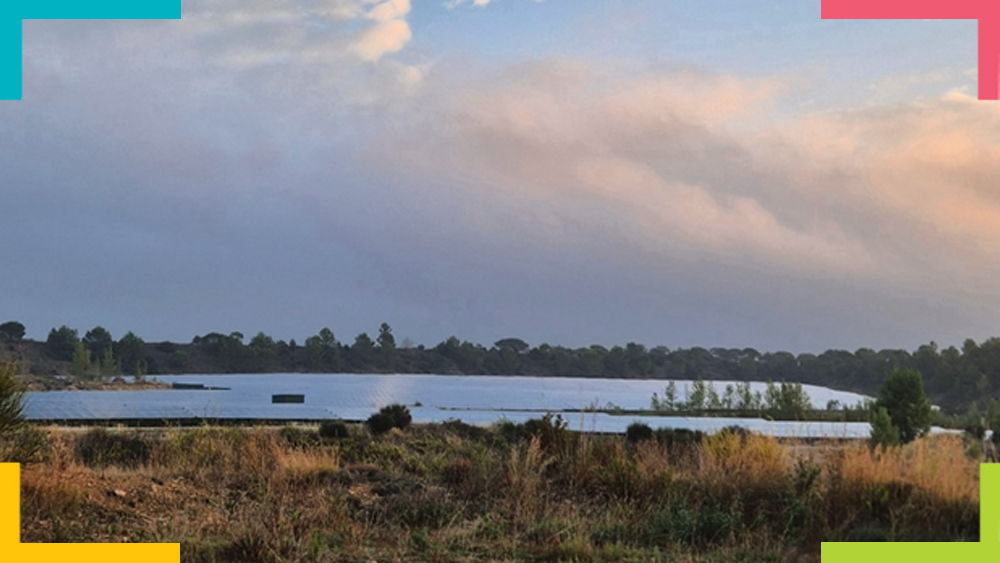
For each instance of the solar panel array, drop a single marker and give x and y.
(473, 399)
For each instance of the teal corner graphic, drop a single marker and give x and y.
(986, 550)
(12, 12)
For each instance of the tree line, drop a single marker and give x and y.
(954, 378)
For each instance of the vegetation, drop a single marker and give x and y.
(884, 432)
(957, 379)
(902, 396)
(19, 441)
(389, 417)
(12, 331)
(11, 399)
(454, 492)
(638, 432)
(61, 343)
(333, 429)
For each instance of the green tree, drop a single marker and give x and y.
(729, 397)
(12, 331)
(511, 361)
(81, 360)
(639, 361)
(97, 340)
(61, 343)
(515, 344)
(696, 396)
(902, 396)
(615, 362)
(787, 400)
(12, 423)
(363, 350)
(263, 352)
(109, 368)
(746, 399)
(227, 351)
(131, 352)
(386, 347)
(884, 433)
(11, 398)
(669, 401)
(322, 351)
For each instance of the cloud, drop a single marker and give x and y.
(390, 33)
(548, 194)
(455, 3)
(654, 153)
(251, 34)
(690, 166)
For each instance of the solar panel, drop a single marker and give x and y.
(473, 399)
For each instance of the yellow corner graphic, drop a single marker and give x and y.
(15, 551)
(986, 550)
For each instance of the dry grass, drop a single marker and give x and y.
(936, 465)
(437, 493)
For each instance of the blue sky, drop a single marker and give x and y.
(718, 173)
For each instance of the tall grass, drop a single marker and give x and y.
(457, 493)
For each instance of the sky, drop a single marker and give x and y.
(725, 173)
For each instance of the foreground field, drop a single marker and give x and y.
(453, 492)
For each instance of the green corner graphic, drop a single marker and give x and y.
(987, 550)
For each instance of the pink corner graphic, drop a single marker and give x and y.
(986, 11)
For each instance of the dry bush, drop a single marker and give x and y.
(220, 455)
(433, 494)
(732, 462)
(525, 482)
(935, 464)
(927, 490)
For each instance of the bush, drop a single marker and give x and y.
(333, 429)
(466, 431)
(509, 430)
(298, 437)
(638, 432)
(101, 448)
(399, 414)
(735, 430)
(24, 445)
(19, 442)
(380, 423)
(11, 398)
(552, 432)
(679, 437)
(389, 417)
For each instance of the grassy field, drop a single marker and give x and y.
(452, 492)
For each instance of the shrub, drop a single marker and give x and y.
(11, 399)
(457, 472)
(389, 417)
(24, 445)
(399, 414)
(333, 429)
(466, 431)
(298, 437)
(101, 448)
(552, 432)
(19, 442)
(679, 437)
(509, 430)
(735, 430)
(380, 423)
(638, 432)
